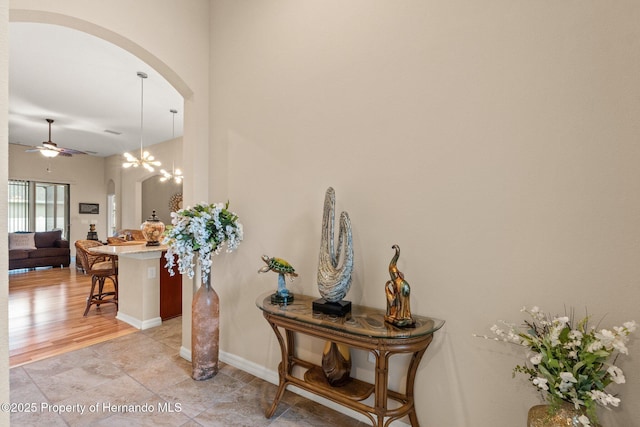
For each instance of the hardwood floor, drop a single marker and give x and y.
(45, 314)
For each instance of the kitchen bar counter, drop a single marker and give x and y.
(138, 282)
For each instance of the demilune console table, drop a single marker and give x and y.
(364, 329)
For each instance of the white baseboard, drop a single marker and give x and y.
(151, 323)
(272, 377)
(137, 323)
(185, 353)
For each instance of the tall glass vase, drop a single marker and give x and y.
(205, 332)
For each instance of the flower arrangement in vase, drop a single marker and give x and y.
(202, 230)
(568, 361)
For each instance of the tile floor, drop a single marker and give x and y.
(140, 380)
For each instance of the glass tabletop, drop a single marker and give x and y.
(365, 321)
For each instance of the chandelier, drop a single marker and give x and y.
(175, 174)
(146, 160)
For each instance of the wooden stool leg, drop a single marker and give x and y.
(115, 285)
(100, 290)
(90, 298)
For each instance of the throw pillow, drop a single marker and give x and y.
(22, 241)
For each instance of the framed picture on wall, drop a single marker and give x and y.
(89, 208)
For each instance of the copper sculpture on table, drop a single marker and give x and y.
(398, 296)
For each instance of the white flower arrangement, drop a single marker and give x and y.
(569, 362)
(204, 229)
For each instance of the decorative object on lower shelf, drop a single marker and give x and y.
(200, 232)
(398, 294)
(334, 265)
(354, 389)
(336, 363)
(283, 268)
(152, 230)
(569, 362)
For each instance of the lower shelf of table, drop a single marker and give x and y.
(354, 389)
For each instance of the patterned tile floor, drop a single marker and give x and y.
(140, 380)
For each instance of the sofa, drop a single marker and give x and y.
(39, 249)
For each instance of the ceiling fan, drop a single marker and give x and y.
(51, 149)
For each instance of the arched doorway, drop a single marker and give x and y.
(195, 126)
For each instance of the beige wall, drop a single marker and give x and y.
(496, 142)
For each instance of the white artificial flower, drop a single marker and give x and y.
(577, 402)
(541, 383)
(536, 359)
(554, 334)
(584, 420)
(603, 398)
(575, 335)
(568, 380)
(630, 326)
(536, 313)
(496, 330)
(606, 337)
(594, 346)
(619, 345)
(617, 376)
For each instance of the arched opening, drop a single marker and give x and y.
(163, 69)
(44, 17)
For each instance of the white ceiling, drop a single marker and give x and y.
(87, 85)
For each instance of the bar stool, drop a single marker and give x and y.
(101, 267)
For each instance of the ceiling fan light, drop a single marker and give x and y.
(49, 153)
